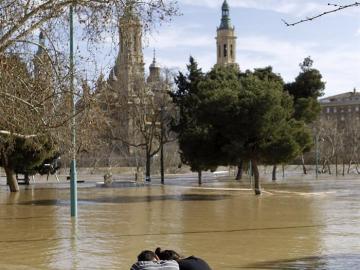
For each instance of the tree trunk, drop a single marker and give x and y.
(274, 173)
(239, 171)
(11, 179)
(199, 177)
(27, 178)
(329, 168)
(147, 168)
(357, 169)
(343, 171)
(283, 171)
(336, 165)
(348, 170)
(303, 164)
(255, 170)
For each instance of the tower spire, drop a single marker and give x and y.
(41, 43)
(154, 57)
(225, 19)
(154, 68)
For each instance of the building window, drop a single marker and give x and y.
(231, 51)
(357, 108)
(349, 110)
(328, 110)
(219, 51)
(335, 110)
(342, 118)
(225, 50)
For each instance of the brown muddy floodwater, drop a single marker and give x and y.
(294, 225)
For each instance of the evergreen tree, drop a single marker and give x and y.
(24, 156)
(196, 139)
(252, 116)
(306, 89)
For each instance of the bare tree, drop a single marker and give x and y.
(19, 18)
(36, 101)
(144, 121)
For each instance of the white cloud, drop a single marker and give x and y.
(339, 65)
(357, 32)
(298, 7)
(180, 36)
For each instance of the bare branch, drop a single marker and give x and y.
(337, 8)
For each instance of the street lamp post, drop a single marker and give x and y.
(250, 172)
(317, 154)
(73, 174)
(162, 145)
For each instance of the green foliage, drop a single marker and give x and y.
(306, 89)
(307, 84)
(306, 64)
(306, 109)
(261, 128)
(196, 139)
(226, 116)
(26, 155)
(237, 117)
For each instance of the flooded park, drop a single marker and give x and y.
(298, 223)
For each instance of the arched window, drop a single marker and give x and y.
(219, 51)
(225, 50)
(231, 51)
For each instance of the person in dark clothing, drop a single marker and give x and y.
(193, 263)
(189, 263)
(148, 260)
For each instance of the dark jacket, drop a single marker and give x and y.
(193, 263)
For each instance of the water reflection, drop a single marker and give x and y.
(133, 199)
(337, 261)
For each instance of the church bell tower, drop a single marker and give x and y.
(226, 39)
(127, 76)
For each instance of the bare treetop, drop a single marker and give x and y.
(19, 18)
(336, 8)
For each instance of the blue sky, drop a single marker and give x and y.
(333, 41)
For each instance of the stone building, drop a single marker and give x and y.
(341, 108)
(226, 39)
(127, 76)
(129, 96)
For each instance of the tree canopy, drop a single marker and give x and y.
(238, 116)
(306, 89)
(197, 140)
